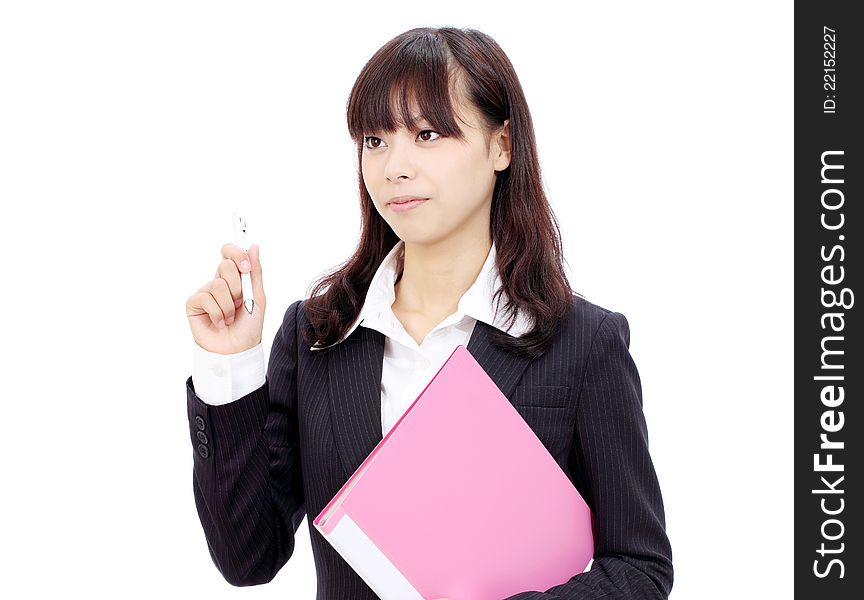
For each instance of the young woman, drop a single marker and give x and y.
(458, 246)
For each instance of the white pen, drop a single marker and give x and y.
(245, 278)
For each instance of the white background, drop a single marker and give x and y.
(129, 132)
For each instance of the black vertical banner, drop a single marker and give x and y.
(829, 367)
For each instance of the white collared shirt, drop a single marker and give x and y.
(407, 367)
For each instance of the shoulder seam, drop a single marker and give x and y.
(586, 364)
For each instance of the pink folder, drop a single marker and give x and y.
(460, 500)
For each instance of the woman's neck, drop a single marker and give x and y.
(434, 277)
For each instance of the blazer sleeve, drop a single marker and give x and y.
(246, 478)
(609, 456)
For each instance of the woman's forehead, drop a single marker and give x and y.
(462, 110)
(414, 100)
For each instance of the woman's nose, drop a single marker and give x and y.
(400, 161)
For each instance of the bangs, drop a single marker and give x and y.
(404, 77)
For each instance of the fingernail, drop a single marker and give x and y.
(245, 265)
(221, 323)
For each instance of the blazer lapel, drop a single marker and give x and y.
(354, 373)
(355, 367)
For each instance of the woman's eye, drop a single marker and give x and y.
(420, 135)
(367, 141)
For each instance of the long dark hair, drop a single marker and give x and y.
(426, 64)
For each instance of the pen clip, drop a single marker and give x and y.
(240, 230)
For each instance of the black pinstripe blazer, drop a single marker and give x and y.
(282, 452)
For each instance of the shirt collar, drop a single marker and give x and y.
(476, 302)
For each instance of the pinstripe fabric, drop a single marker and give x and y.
(281, 452)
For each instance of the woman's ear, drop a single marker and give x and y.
(501, 146)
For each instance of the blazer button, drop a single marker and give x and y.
(203, 450)
(202, 437)
(199, 422)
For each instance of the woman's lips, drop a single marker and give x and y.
(406, 206)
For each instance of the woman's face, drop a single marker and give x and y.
(456, 176)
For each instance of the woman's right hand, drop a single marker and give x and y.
(221, 299)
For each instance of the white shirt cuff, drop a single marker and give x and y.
(223, 378)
